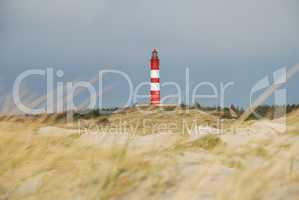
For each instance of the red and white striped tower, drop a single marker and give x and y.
(155, 78)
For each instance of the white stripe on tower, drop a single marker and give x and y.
(155, 73)
(155, 86)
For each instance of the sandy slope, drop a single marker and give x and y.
(39, 161)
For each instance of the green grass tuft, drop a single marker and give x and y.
(207, 142)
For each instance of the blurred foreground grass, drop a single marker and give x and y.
(254, 165)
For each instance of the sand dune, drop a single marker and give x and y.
(49, 160)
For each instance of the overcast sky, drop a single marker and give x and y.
(220, 41)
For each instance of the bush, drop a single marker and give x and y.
(207, 142)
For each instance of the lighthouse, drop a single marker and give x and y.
(155, 78)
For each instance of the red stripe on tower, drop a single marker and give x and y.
(155, 78)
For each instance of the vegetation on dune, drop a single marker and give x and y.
(207, 142)
(66, 168)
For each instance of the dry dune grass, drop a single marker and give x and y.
(43, 158)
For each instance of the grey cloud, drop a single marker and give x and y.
(217, 39)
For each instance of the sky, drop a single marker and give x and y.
(218, 41)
